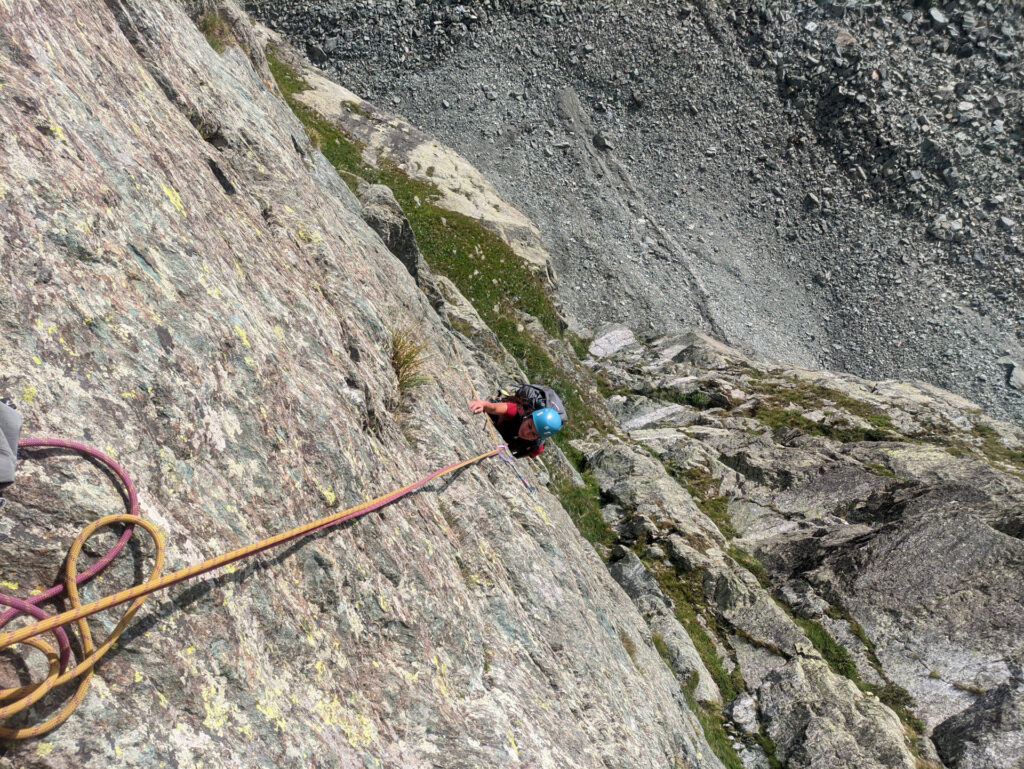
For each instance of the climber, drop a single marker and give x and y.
(526, 419)
(10, 430)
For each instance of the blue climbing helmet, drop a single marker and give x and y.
(547, 421)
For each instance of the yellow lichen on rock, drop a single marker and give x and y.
(174, 197)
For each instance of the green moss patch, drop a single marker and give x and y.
(777, 393)
(713, 724)
(994, 450)
(697, 399)
(662, 649)
(217, 32)
(687, 594)
(836, 655)
(878, 469)
(751, 564)
(894, 696)
(840, 429)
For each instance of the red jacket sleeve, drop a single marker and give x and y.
(538, 450)
(513, 410)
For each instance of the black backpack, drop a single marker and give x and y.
(540, 397)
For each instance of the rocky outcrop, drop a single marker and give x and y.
(886, 517)
(813, 716)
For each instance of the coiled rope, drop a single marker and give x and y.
(22, 697)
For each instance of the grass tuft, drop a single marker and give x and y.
(836, 655)
(408, 358)
(217, 32)
(629, 646)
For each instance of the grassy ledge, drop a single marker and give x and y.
(485, 269)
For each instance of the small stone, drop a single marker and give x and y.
(938, 17)
(995, 103)
(965, 106)
(1016, 380)
(1006, 223)
(744, 713)
(844, 39)
(601, 141)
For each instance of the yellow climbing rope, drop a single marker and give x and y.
(22, 697)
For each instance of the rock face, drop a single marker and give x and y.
(830, 564)
(886, 518)
(987, 734)
(190, 286)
